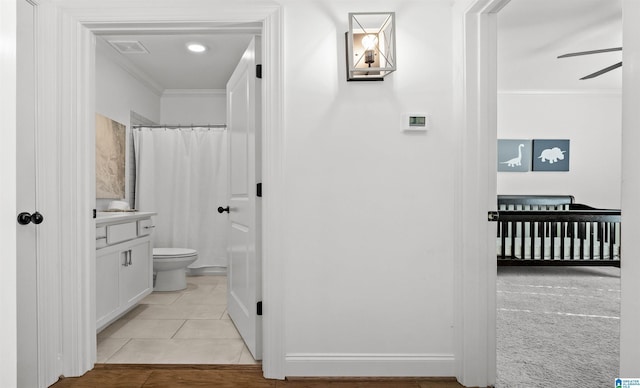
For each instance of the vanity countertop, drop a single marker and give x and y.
(104, 218)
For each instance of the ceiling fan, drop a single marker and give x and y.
(599, 72)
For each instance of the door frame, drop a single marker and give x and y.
(475, 104)
(49, 273)
(630, 269)
(8, 113)
(72, 24)
(476, 26)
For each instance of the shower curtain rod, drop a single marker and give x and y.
(179, 126)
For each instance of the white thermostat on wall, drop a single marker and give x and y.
(415, 122)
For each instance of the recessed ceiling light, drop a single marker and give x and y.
(196, 47)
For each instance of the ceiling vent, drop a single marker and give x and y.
(128, 46)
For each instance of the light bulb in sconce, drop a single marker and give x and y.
(369, 42)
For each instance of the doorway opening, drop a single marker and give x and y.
(545, 315)
(190, 325)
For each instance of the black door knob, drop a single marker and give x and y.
(37, 218)
(223, 209)
(25, 218)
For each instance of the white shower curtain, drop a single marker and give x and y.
(182, 175)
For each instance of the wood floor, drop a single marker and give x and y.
(226, 376)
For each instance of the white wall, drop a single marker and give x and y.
(117, 94)
(186, 107)
(370, 208)
(591, 120)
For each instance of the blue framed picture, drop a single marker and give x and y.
(551, 155)
(514, 155)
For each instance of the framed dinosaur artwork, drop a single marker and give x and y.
(514, 155)
(551, 155)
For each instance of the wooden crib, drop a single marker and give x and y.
(553, 230)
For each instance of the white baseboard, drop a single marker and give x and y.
(378, 365)
(218, 271)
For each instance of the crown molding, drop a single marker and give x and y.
(193, 92)
(185, 28)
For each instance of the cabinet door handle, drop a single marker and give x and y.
(128, 258)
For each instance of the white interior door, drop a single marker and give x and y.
(27, 319)
(244, 269)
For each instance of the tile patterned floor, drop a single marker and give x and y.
(183, 327)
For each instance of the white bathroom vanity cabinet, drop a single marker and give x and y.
(124, 263)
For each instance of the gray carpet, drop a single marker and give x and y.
(558, 327)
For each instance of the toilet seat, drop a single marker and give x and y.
(167, 253)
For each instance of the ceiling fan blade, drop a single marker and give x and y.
(600, 72)
(590, 52)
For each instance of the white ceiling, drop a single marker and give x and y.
(171, 66)
(532, 33)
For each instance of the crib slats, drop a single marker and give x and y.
(522, 239)
(563, 226)
(572, 249)
(503, 237)
(514, 226)
(552, 245)
(541, 233)
(532, 234)
(611, 240)
(551, 237)
(581, 237)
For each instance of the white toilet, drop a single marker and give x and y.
(169, 266)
